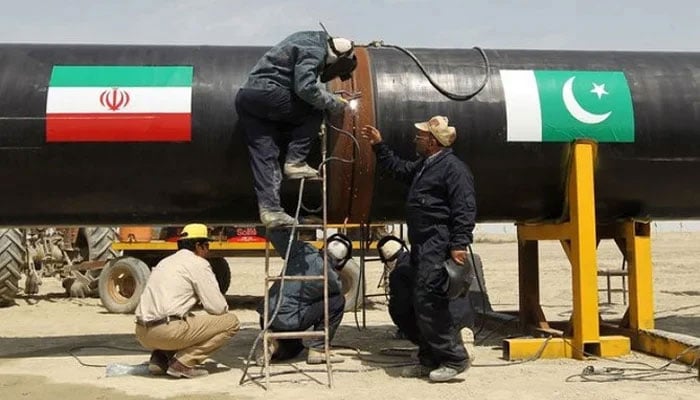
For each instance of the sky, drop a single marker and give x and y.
(661, 25)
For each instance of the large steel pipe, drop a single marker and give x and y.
(206, 176)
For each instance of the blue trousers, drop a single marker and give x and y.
(269, 117)
(425, 314)
(311, 318)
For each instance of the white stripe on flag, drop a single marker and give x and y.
(141, 100)
(523, 115)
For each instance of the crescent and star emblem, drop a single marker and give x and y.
(575, 109)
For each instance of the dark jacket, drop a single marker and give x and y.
(295, 64)
(304, 260)
(441, 195)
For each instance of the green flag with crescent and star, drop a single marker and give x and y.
(560, 106)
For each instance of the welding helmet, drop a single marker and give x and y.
(339, 249)
(389, 247)
(460, 277)
(340, 59)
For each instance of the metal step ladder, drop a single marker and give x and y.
(267, 334)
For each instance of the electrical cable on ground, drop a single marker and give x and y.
(72, 351)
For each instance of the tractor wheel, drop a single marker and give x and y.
(95, 243)
(13, 256)
(121, 283)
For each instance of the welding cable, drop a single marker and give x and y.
(647, 374)
(356, 145)
(73, 350)
(443, 91)
(384, 363)
(481, 289)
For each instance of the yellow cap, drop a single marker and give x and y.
(194, 231)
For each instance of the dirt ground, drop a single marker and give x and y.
(37, 335)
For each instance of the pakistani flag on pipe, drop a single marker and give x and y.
(560, 106)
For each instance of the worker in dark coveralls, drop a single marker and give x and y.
(401, 276)
(440, 215)
(302, 307)
(282, 100)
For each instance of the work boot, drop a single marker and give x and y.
(274, 219)
(180, 370)
(415, 371)
(272, 346)
(317, 356)
(299, 170)
(158, 364)
(468, 339)
(444, 374)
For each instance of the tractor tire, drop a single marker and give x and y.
(121, 283)
(95, 243)
(13, 256)
(222, 273)
(352, 285)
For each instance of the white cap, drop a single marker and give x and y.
(439, 128)
(389, 249)
(337, 249)
(341, 45)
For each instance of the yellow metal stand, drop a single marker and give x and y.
(580, 336)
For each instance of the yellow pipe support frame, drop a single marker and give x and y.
(579, 239)
(525, 348)
(582, 242)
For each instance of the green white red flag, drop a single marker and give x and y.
(119, 104)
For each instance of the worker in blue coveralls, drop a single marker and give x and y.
(282, 100)
(301, 306)
(401, 276)
(440, 215)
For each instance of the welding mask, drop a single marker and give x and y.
(340, 60)
(339, 249)
(460, 277)
(389, 247)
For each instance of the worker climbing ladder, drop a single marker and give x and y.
(267, 334)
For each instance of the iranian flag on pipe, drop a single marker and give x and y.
(119, 104)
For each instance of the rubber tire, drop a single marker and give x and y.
(352, 286)
(95, 243)
(12, 259)
(134, 273)
(222, 271)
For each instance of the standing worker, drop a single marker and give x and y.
(440, 215)
(283, 100)
(301, 306)
(181, 340)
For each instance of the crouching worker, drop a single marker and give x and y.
(181, 340)
(397, 259)
(301, 306)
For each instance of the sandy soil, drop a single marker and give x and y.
(37, 335)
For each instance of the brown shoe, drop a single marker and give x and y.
(180, 370)
(158, 364)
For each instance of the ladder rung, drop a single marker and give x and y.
(296, 334)
(296, 278)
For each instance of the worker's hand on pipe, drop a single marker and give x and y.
(372, 134)
(459, 256)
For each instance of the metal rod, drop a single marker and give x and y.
(326, 331)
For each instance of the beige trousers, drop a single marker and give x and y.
(194, 339)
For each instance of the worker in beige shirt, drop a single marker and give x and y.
(181, 340)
